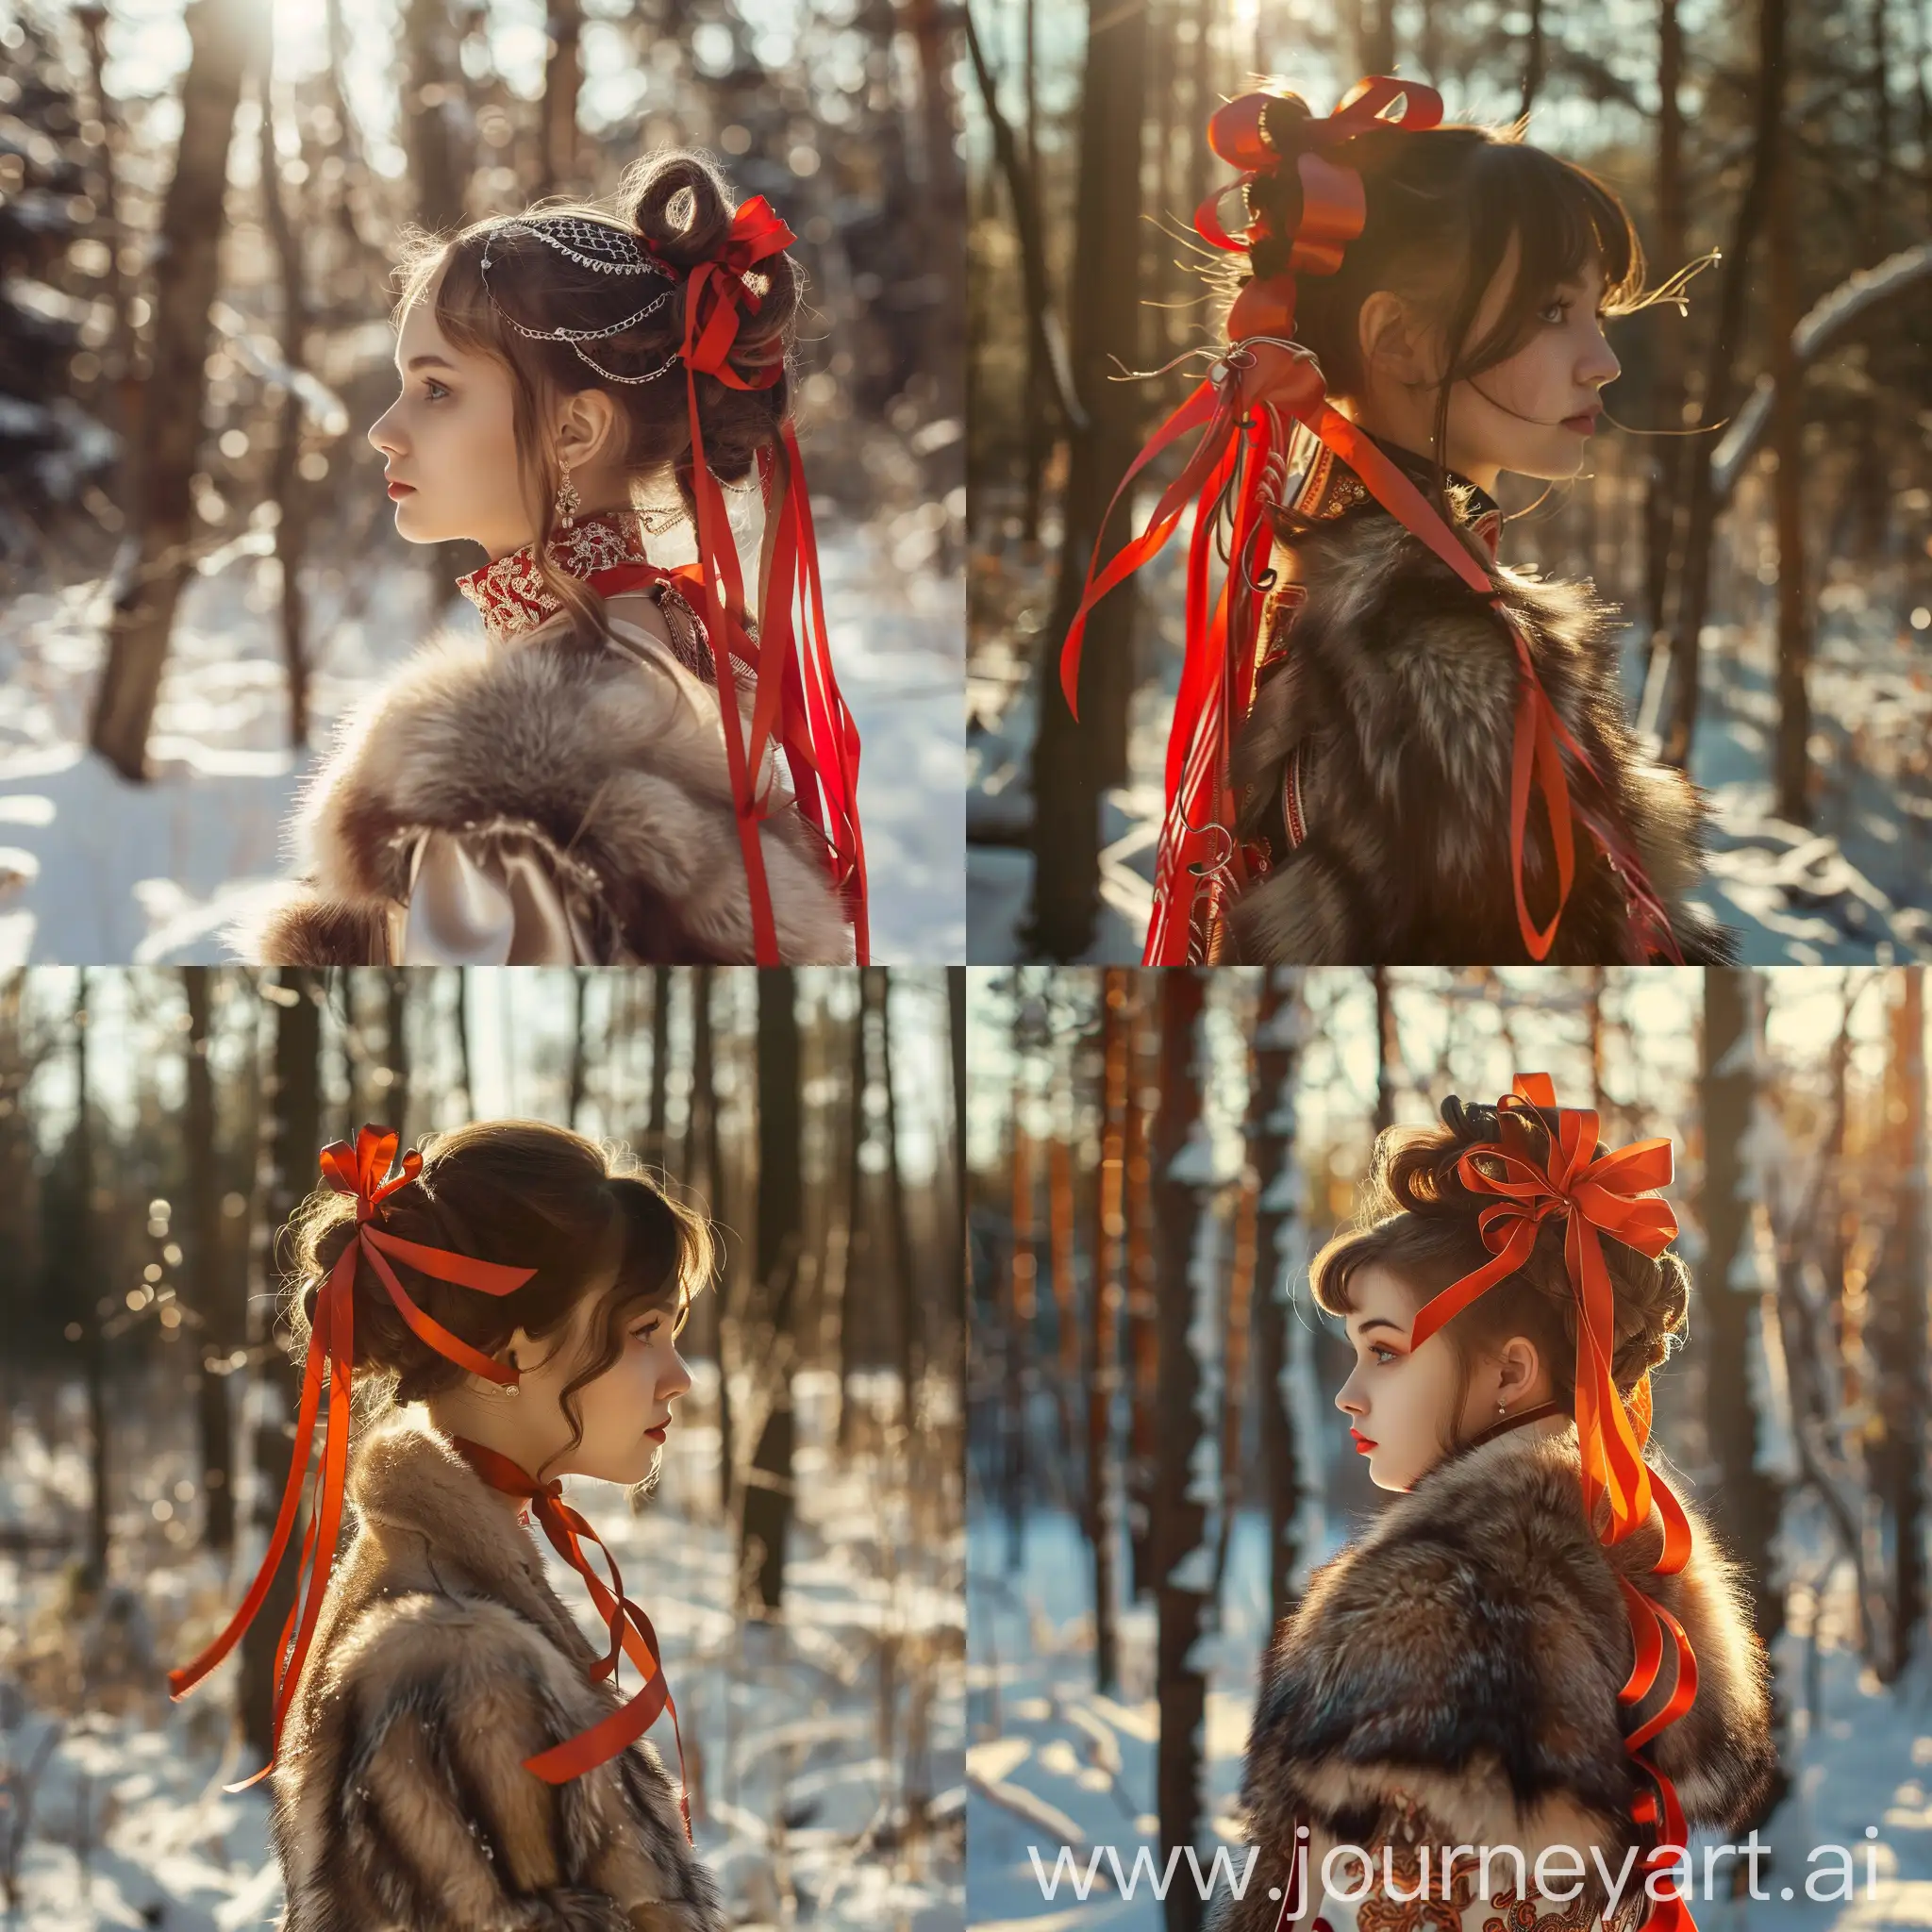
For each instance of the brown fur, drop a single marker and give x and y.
(442, 1659)
(1400, 686)
(1456, 1669)
(610, 765)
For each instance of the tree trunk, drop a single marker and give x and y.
(660, 1063)
(286, 488)
(1667, 455)
(1021, 1312)
(217, 1328)
(1072, 762)
(1532, 58)
(1745, 1500)
(579, 1046)
(292, 1125)
(857, 1242)
(1793, 626)
(780, 1239)
(1896, 1333)
(905, 1271)
(1142, 1352)
(1103, 1368)
(1699, 514)
(931, 25)
(87, 1263)
(223, 35)
(563, 77)
(1180, 1181)
(1279, 1032)
(702, 1161)
(955, 1006)
(435, 171)
(396, 1049)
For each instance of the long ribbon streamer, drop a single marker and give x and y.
(362, 1170)
(1595, 1195)
(631, 1631)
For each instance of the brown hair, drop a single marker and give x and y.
(680, 207)
(525, 1193)
(1441, 206)
(1416, 1217)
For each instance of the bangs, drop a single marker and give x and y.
(668, 1250)
(1564, 221)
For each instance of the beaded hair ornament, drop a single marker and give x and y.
(796, 703)
(1243, 417)
(363, 1170)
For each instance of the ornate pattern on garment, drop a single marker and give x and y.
(512, 593)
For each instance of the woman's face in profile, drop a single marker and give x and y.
(1398, 1400)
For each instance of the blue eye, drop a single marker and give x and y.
(437, 390)
(1382, 1349)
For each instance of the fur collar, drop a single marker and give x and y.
(608, 760)
(1465, 1652)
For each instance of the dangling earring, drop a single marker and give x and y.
(512, 1387)
(1501, 1408)
(568, 501)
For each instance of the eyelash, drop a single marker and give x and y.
(1381, 1348)
(1563, 304)
(645, 1333)
(430, 382)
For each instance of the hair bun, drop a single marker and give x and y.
(1285, 121)
(1474, 1121)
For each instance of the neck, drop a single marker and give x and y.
(1419, 442)
(458, 1412)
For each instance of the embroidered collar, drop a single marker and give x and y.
(1329, 488)
(512, 595)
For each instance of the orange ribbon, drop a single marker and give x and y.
(362, 1170)
(1595, 1195)
(795, 695)
(630, 1630)
(1242, 416)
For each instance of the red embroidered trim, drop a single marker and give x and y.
(512, 596)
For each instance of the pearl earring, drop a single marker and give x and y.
(1501, 1408)
(568, 501)
(512, 1387)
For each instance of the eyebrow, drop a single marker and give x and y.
(428, 362)
(1378, 1321)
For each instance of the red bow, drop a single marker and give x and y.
(1245, 413)
(1595, 1196)
(630, 1631)
(795, 696)
(363, 1171)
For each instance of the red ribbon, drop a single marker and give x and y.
(630, 1630)
(1241, 417)
(795, 695)
(362, 1170)
(1595, 1195)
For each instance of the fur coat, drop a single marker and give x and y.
(1383, 733)
(602, 766)
(1450, 1679)
(442, 1659)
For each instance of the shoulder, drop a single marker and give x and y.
(410, 1783)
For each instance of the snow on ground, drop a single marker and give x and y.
(1052, 1760)
(96, 871)
(797, 1778)
(1856, 887)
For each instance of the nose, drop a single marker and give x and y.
(678, 1381)
(1346, 1400)
(382, 439)
(1601, 366)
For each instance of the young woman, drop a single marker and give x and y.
(579, 791)
(455, 1752)
(1462, 1675)
(1389, 746)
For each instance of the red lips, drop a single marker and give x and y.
(1583, 421)
(1362, 1441)
(399, 490)
(656, 1434)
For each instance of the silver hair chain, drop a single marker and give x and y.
(597, 245)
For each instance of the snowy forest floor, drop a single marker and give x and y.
(1854, 887)
(1051, 1760)
(94, 870)
(808, 1739)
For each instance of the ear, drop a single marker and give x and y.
(1518, 1369)
(1391, 341)
(587, 428)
